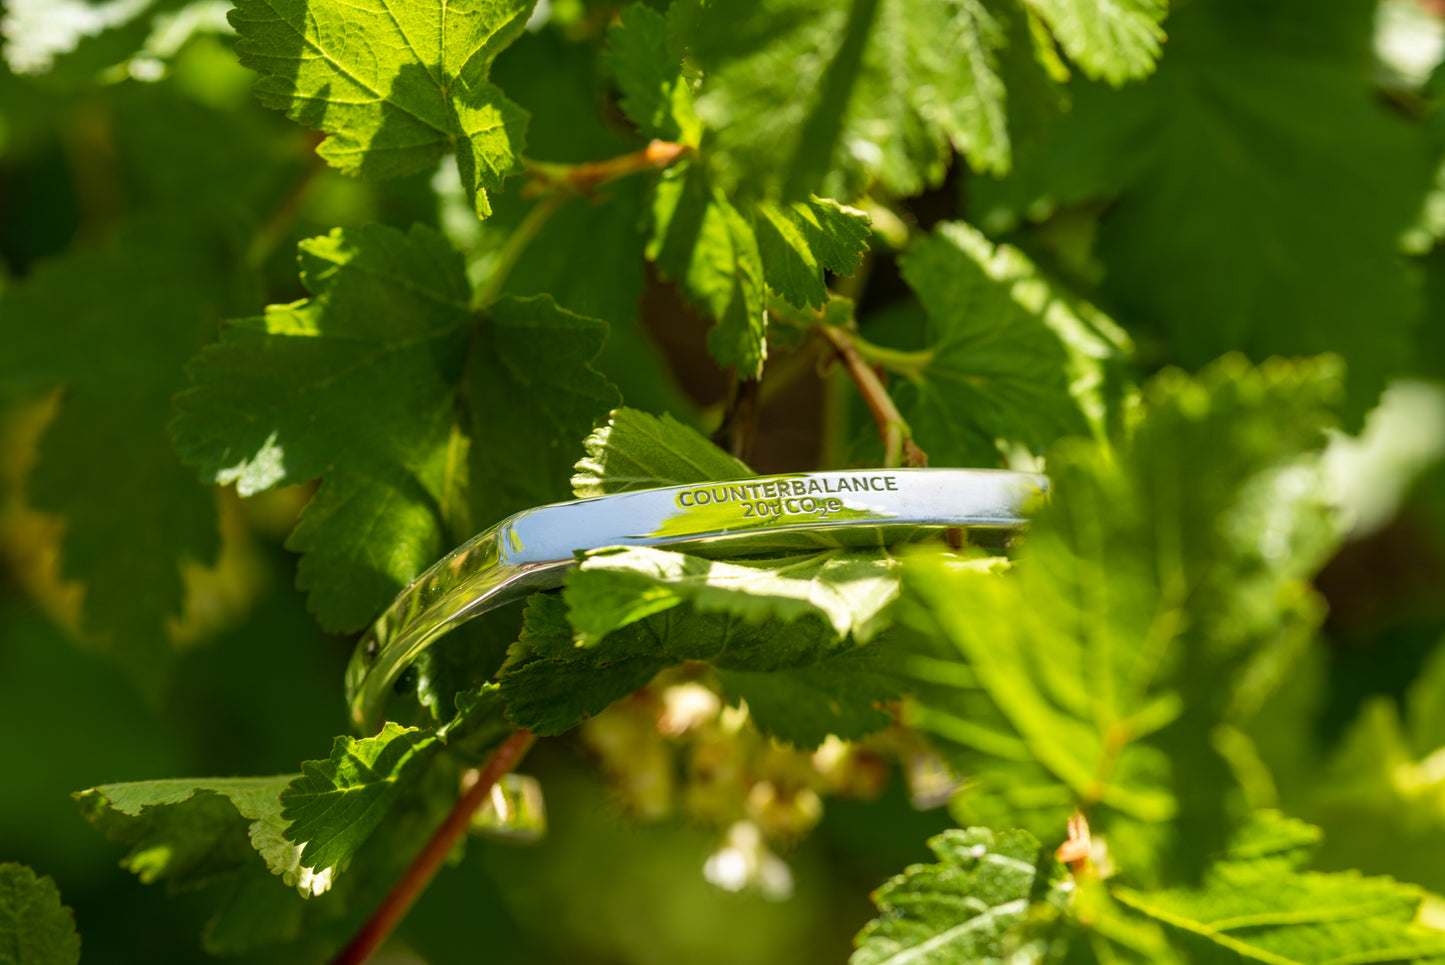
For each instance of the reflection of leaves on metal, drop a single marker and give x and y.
(515, 811)
(869, 508)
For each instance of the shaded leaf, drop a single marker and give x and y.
(1094, 673)
(699, 240)
(531, 349)
(189, 833)
(35, 928)
(386, 386)
(720, 250)
(821, 96)
(551, 684)
(357, 385)
(1259, 189)
(111, 326)
(838, 695)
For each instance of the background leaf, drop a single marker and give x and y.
(110, 327)
(875, 88)
(1218, 168)
(1096, 673)
(1255, 905)
(1009, 356)
(35, 928)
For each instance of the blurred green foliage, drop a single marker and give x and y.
(1087, 193)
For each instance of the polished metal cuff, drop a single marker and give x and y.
(534, 549)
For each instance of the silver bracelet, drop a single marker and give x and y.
(534, 549)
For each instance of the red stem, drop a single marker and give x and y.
(411, 884)
(897, 439)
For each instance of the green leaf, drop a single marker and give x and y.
(227, 168)
(358, 385)
(335, 805)
(655, 96)
(821, 96)
(798, 241)
(1377, 792)
(188, 833)
(205, 833)
(699, 240)
(395, 88)
(1259, 189)
(384, 385)
(776, 630)
(1095, 673)
(719, 253)
(1010, 356)
(567, 127)
(637, 450)
(35, 928)
(479, 726)
(1113, 41)
(838, 695)
(610, 288)
(806, 683)
(551, 685)
(531, 349)
(848, 589)
(1255, 905)
(111, 326)
(969, 906)
(721, 256)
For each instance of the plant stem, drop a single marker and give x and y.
(740, 418)
(512, 251)
(900, 361)
(411, 884)
(559, 183)
(586, 178)
(269, 235)
(897, 438)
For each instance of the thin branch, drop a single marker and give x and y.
(740, 418)
(414, 881)
(269, 234)
(586, 178)
(511, 252)
(898, 361)
(897, 437)
(557, 184)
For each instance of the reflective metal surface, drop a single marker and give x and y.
(534, 549)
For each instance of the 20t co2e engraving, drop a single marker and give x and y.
(534, 549)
